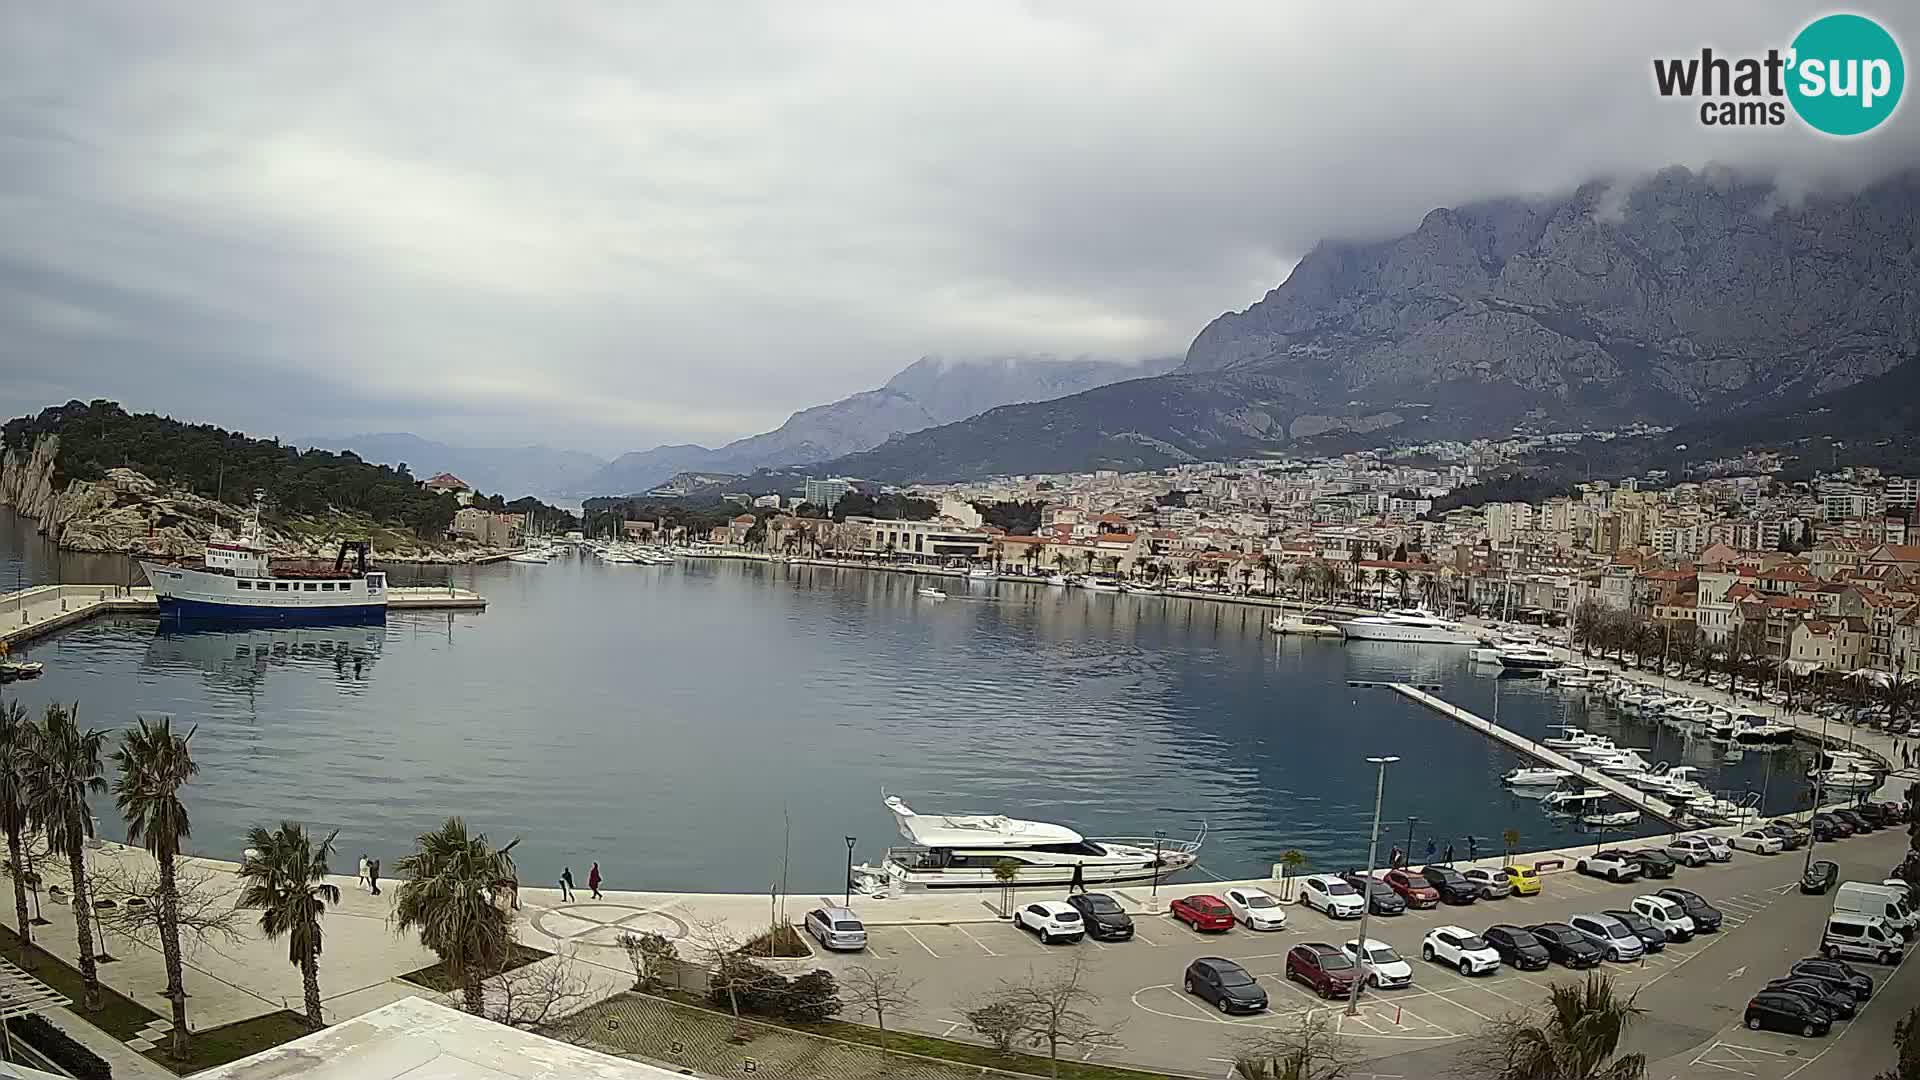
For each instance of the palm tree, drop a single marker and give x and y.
(286, 879)
(63, 768)
(16, 732)
(1574, 1040)
(154, 765)
(448, 900)
(1401, 577)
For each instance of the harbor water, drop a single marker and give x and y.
(722, 725)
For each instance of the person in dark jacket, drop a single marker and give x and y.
(566, 883)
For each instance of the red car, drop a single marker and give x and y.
(1324, 969)
(1415, 891)
(1202, 912)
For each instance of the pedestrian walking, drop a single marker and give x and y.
(566, 883)
(373, 877)
(593, 879)
(1393, 857)
(1429, 849)
(1079, 882)
(360, 874)
(1473, 849)
(1449, 854)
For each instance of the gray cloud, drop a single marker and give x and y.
(607, 226)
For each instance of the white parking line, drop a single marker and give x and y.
(917, 941)
(983, 945)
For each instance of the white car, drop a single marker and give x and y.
(1384, 967)
(1665, 914)
(1699, 849)
(1609, 867)
(1255, 910)
(1758, 842)
(1051, 920)
(1333, 896)
(1459, 948)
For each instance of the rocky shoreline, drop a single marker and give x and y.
(127, 513)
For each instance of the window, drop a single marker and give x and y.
(281, 586)
(310, 587)
(326, 586)
(244, 584)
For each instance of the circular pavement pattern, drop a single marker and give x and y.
(599, 923)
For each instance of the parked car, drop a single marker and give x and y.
(1706, 846)
(1331, 895)
(1854, 818)
(1567, 945)
(1384, 967)
(1102, 916)
(1517, 948)
(1493, 884)
(836, 928)
(1452, 886)
(1651, 936)
(1877, 814)
(1829, 997)
(1837, 972)
(1653, 863)
(1706, 918)
(1381, 899)
(1524, 880)
(1051, 921)
(1777, 1011)
(1758, 841)
(1792, 836)
(1414, 890)
(1460, 948)
(1603, 864)
(1202, 912)
(1256, 910)
(1864, 937)
(1225, 985)
(1819, 877)
(1836, 829)
(1322, 968)
(1668, 915)
(1616, 941)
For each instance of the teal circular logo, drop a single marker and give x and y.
(1847, 74)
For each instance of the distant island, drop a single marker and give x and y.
(96, 477)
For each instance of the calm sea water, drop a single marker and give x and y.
(698, 725)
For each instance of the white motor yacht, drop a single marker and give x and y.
(960, 851)
(1098, 585)
(1303, 625)
(982, 573)
(1597, 748)
(1756, 732)
(1411, 625)
(931, 594)
(1569, 737)
(1574, 802)
(1534, 777)
(1847, 771)
(1528, 658)
(1058, 579)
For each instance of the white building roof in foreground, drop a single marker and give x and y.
(419, 1040)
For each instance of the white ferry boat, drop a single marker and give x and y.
(1414, 625)
(960, 851)
(238, 582)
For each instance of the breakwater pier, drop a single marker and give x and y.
(27, 614)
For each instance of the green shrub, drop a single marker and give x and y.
(812, 998)
(59, 1047)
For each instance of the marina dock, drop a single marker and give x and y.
(1626, 793)
(31, 613)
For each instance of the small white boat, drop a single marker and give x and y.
(982, 573)
(1620, 817)
(1597, 748)
(1303, 626)
(931, 594)
(1528, 658)
(1059, 580)
(1534, 777)
(1098, 585)
(20, 669)
(1569, 737)
(536, 556)
(1573, 802)
(1763, 735)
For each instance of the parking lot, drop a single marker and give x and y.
(1697, 986)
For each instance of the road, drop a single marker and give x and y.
(1693, 993)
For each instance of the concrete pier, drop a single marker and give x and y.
(36, 612)
(1625, 792)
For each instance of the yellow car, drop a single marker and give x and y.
(1524, 881)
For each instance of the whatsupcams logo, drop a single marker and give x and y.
(1842, 76)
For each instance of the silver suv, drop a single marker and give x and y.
(1615, 938)
(837, 928)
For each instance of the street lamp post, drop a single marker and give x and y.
(1409, 848)
(1819, 770)
(1159, 839)
(1361, 955)
(848, 901)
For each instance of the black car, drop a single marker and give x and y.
(1103, 918)
(1381, 899)
(1792, 836)
(1779, 1011)
(1838, 1002)
(1853, 818)
(1652, 864)
(1224, 984)
(1838, 972)
(1837, 829)
(1876, 814)
(1651, 936)
(1706, 917)
(1567, 945)
(1518, 948)
(1820, 877)
(1452, 886)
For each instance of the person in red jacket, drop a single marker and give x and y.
(593, 880)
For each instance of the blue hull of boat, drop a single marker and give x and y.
(202, 611)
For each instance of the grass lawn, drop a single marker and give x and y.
(119, 1017)
(217, 1046)
(434, 976)
(974, 1054)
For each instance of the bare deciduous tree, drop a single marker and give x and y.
(880, 991)
(538, 994)
(205, 903)
(1053, 1009)
(718, 947)
(652, 956)
(998, 1022)
(1307, 1048)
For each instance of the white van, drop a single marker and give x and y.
(1862, 937)
(1879, 901)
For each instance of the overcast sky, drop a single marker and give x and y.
(607, 227)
